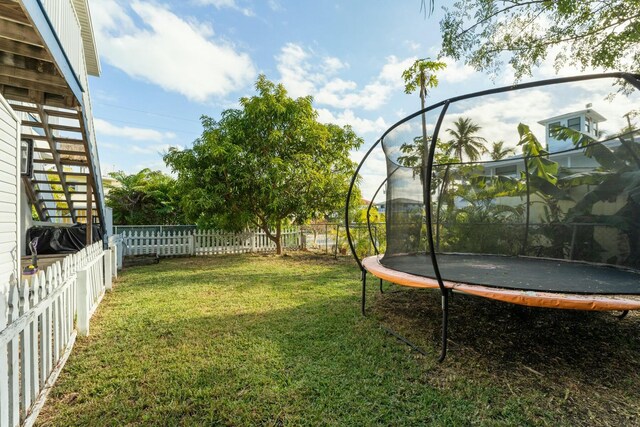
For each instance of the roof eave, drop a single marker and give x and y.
(598, 118)
(91, 57)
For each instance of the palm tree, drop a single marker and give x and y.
(146, 197)
(499, 151)
(464, 141)
(422, 76)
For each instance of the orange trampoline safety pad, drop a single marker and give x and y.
(591, 302)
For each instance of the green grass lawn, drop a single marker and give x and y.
(266, 340)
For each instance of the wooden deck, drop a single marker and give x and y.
(44, 261)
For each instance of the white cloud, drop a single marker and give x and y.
(295, 72)
(153, 149)
(455, 71)
(155, 165)
(103, 127)
(178, 55)
(392, 70)
(344, 94)
(227, 4)
(331, 65)
(108, 15)
(275, 5)
(303, 73)
(347, 117)
(373, 172)
(413, 45)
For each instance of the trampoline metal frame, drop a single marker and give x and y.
(633, 79)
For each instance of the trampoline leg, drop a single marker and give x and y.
(445, 325)
(623, 315)
(404, 340)
(381, 290)
(364, 289)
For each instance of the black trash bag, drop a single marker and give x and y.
(60, 240)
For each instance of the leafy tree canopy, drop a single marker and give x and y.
(587, 33)
(421, 75)
(146, 197)
(373, 215)
(265, 163)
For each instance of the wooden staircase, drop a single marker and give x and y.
(61, 184)
(55, 116)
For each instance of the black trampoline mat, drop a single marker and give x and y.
(522, 273)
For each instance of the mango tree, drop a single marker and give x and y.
(268, 162)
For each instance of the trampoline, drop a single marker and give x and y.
(554, 223)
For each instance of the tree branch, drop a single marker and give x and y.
(493, 15)
(557, 41)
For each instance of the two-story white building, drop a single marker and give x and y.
(586, 121)
(48, 155)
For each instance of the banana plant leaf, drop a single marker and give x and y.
(596, 150)
(608, 190)
(547, 188)
(584, 178)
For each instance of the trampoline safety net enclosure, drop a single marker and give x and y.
(533, 187)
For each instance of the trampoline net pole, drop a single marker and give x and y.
(527, 207)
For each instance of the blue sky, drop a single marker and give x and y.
(166, 63)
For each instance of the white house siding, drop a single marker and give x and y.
(9, 194)
(26, 220)
(63, 16)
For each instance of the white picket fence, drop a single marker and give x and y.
(116, 245)
(205, 242)
(39, 321)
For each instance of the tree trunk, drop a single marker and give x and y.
(274, 238)
(278, 239)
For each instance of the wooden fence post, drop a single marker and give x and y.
(82, 300)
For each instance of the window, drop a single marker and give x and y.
(511, 170)
(26, 157)
(552, 126)
(574, 124)
(588, 125)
